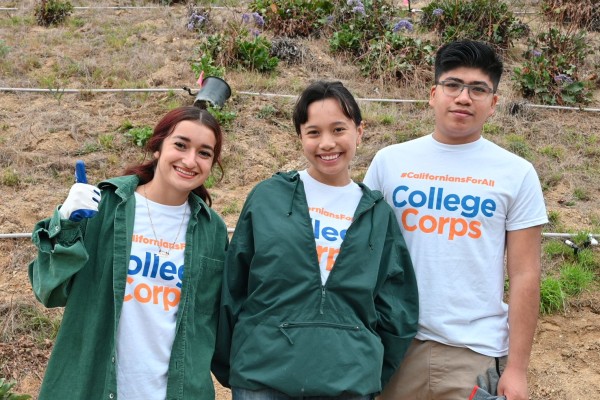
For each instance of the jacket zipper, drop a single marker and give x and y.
(287, 325)
(324, 287)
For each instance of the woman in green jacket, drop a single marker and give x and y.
(319, 296)
(139, 272)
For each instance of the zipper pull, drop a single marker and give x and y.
(322, 299)
(282, 329)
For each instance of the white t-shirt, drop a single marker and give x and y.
(454, 204)
(331, 210)
(147, 324)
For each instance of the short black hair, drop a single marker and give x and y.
(469, 53)
(321, 90)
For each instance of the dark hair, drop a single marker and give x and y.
(469, 53)
(321, 90)
(164, 128)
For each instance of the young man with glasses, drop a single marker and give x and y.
(465, 205)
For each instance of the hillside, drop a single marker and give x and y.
(43, 134)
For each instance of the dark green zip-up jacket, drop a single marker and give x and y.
(282, 329)
(83, 267)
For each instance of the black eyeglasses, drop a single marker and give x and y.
(476, 92)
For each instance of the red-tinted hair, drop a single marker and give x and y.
(164, 128)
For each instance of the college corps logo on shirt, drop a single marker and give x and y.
(439, 210)
(152, 279)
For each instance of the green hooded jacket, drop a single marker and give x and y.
(282, 329)
(82, 266)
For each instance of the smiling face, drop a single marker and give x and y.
(184, 162)
(459, 120)
(329, 140)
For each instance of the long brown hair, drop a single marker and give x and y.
(164, 128)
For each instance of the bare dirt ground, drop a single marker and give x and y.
(42, 134)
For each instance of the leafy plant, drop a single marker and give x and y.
(207, 65)
(224, 116)
(6, 391)
(52, 12)
(292, 18)
(235, 46)
(550, 72)
(139, 135)
(371, 31)
(357, 22)
(486, 20)
(396, 56)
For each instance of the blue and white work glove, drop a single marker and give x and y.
(83, 199)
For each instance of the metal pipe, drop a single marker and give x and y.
(146, 90)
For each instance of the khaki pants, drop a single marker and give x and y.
(435, 371)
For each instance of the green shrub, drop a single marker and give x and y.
(395, 56)
(234, 47)
(52, 12)
(374, 32)
(292, 18)
(356, 23)
(254, 54)
(550, 71)
(487, 20)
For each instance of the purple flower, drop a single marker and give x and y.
(195, 21)
(258, 19)
(403, 24)
(330, 19)
(255, 32)
(245, 18)
(359, 10)
(536, 53)
(438, 12)
(563, 78)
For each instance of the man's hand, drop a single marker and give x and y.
(513, 384)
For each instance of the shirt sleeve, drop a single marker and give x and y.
(60, 255)
(528, 208)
